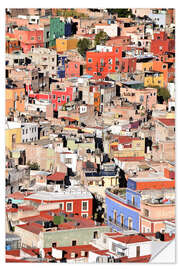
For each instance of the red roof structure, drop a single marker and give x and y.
(131, 239)
(167, 122)
(58, 176)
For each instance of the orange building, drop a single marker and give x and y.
(15, 100)
(12, 45)
(97, 99)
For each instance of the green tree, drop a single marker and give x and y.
(101, 38)
(121, 12)
(163, 92)
(33, 165)
(83, 45)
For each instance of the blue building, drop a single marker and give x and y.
(61, 66)
(123, 208)
(68, 29)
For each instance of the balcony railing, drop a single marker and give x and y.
(121, 198)
(121, 227)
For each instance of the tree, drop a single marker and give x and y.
(83, 45)
(33, 165)
(121, 12)
(101, 38)
(163, 92)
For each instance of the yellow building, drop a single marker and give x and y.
(63, 45)
(15, 100)
(153, 78)
(135, 149)
(13, 135)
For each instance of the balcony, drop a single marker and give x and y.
(119, 227)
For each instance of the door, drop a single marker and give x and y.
(130, 223)
(115, 216)
(137, 251)
(122, 220)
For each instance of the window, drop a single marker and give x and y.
(133, 200)
(113, 247)
(54, 96)
(130, 223)
(117, 50)
(39, 37)
(115, 216)
(146, 212)
(84, 205)
(69, 207)
(23, 131)
(52, 59)
(84, 215)
(54, 245)
(141, 98)
(67, 161)
(164, 66)
(61, 206)
(101, 69)
(26, 131)
(63, 97)
(122, 220)
(47, 34)
(95, 235)
(116, 68)
(67, 98)
(102, 62)
(59, 99)
(109, 68)
(76, 66)
(110, 61)
(74, 242)
(89, 68)
(32, 38)
(89, 60)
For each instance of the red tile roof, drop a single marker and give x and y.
(17, 196)
(130, 239)
(58, 176)
(126, 139)
(140, 259)
(130, 158)
(32, 227)
(167, 122)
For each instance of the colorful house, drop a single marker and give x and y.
(63, 45)
(124, 205)
(29, 38)
(57, 29)
(13, 135)
(15, 100)
(161, 44)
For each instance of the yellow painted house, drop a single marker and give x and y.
(63, 45)
(153, 78)
(13, 135)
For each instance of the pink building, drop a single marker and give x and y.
(29, 39)
(147, 97)
(72, 69)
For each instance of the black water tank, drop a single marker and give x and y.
(162, 237)
(158, 234)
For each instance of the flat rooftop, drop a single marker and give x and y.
(70, 193)
(151, 179)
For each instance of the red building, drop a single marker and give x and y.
(161, 44)
(29, 38)
(73, 200)
(107, 59)
(57, 97)
(72, 69)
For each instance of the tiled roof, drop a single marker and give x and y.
(56, 176)
(127, 139)
(167, 122)
(130, 239)
(130, 158)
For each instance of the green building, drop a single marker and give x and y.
(65, 238)
(57, 29)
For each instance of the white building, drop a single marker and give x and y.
(110, 29)
(69, 159)
(29, 132)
